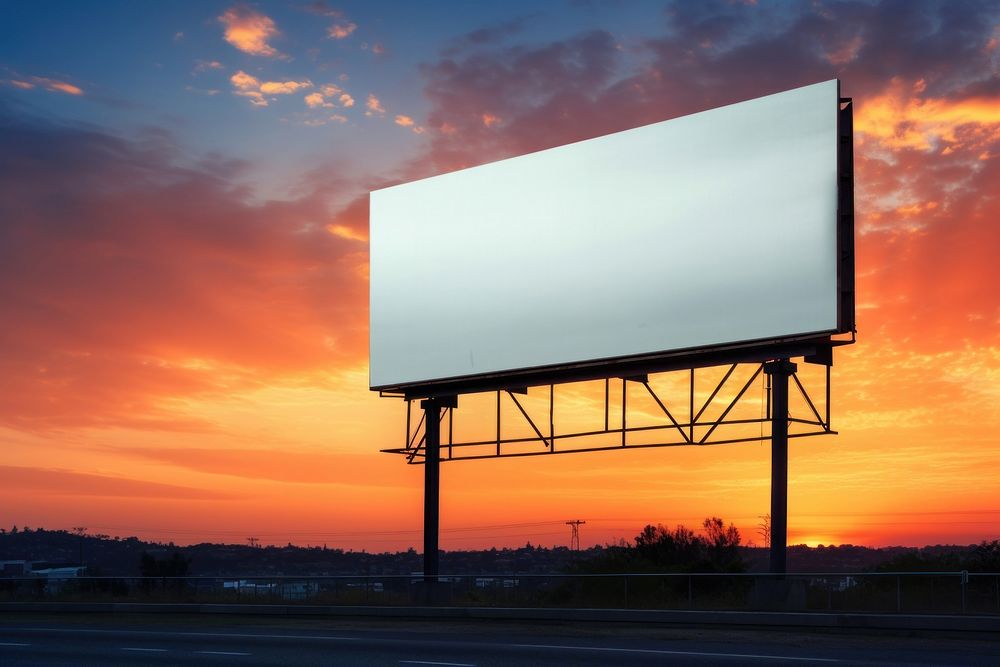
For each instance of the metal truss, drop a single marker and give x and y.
(696, 428)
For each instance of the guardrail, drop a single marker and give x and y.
(886, 592)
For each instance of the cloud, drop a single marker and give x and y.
(206, 65)
(553, 103)
(901, 117)
(846, 52)
(58, 86)
(51, 85)
(927, 104)
(320, 8)
(583, 85)
(406, 121)
(345, 232)
(326, 92)
(249, 31)
(374, 106)
(249, 86)
(351, 222)
(315, 101)
(49, 481)
(280, 466)
(283, 87)
(341, 30)
(130, 278)
(203, 91)
(244, 81)
(490, 35)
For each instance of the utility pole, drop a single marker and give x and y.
(574, 539)
(80, 531)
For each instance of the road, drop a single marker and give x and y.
(29, 639)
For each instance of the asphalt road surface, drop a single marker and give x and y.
(30, 639)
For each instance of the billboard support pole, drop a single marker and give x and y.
(780, 371)
(432, 486)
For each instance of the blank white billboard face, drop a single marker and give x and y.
(710, 229)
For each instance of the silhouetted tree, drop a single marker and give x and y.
(150, 567)
(660, 549)
(921, 561)
(986, 557)
(723, 544)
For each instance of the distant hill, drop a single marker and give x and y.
(104, 555)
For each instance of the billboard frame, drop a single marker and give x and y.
(773, 356)
(690, 420)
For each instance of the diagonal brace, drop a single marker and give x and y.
(546, 441)
(667, 412)
(732, 404)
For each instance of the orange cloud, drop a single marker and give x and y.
(315, 101)
(51, 85)
(345, 232)
(374, 106)
(285, 466)
(283, 87)
(341, 30)
(72, 483)
(322, 98)
(249, 31)
(900, 118)
(106, 351)
(406, 121)
(916, 208)
(489, 120)
(250, 86)
(244, 81)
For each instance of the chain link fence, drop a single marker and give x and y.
(884, 592)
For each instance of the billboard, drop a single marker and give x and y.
(710, 230)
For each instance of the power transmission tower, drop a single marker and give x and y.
(574, 540)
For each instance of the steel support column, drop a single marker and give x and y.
(432, 486)
(780, 371)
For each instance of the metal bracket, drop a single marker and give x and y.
(696, 429)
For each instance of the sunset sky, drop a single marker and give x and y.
(183, 261)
